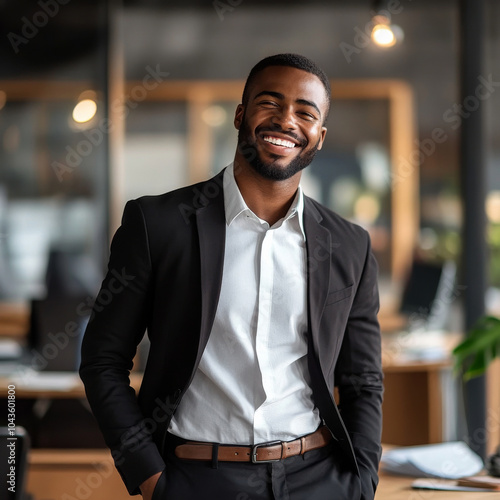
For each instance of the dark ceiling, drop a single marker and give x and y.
(250, 3)
(79, 26)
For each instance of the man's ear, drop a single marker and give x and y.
(238, 116)
(322, 138)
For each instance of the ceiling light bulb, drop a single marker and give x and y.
(383, 35)
(84, 111)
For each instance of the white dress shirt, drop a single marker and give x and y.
(252, 383)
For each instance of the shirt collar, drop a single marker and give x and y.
(235, 204)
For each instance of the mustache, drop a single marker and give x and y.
(296, 138)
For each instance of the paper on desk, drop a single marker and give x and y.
(445, 460)
(46, 381)
(10, 349)
(443, 484)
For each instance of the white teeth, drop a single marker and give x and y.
(279, 142)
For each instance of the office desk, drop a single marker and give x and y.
(72, 474)
(413, 398)
(75, 389)
(14, 319)
(413, 403)
(91, 474)
(399, 488)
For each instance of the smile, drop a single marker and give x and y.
(279, 142)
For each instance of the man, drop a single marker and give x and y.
(257, 301)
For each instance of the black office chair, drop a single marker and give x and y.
(14, 448)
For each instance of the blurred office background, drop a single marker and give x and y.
(103, 102)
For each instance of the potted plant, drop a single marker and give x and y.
(472, 358)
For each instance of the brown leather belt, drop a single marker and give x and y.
(265, 452)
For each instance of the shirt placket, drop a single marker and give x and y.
(263, 330)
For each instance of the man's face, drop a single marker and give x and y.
(281, 126)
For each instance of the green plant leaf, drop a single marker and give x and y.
(482, 345)
(477, 367)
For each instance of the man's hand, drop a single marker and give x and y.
(148, 486)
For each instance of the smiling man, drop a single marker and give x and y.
(258, 301)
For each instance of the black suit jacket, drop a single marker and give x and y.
(164, 275)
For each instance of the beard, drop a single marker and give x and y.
(270, 169)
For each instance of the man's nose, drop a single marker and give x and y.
(285, 118)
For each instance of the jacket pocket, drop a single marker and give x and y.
(338, 295)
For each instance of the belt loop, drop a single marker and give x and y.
(215, 456)
(303, 446)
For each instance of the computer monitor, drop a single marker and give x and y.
(428, 294)
(56, 331)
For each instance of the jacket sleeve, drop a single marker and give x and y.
(116, 326)
(358, 375)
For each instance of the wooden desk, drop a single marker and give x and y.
(413, 402)
(72, 474)
(14, 319)
(399, 488)
(76, 391)
(91, 474)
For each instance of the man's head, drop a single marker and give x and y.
(281, 118)
(293, 61)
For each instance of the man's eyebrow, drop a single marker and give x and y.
(309, 103)
(278, 95)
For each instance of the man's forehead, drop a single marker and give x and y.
(301, 84)
(281, 75)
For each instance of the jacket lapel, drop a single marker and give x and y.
(211, 225)
(319, 259)
(318, 245)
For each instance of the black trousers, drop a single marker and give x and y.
(316, 475)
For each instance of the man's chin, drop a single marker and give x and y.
(275, 171)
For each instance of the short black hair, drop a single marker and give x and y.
(293, 61)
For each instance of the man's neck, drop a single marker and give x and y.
(270, 200)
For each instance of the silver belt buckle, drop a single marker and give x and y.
(255, 447)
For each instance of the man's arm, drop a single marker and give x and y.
(117, 325)
(358, 375)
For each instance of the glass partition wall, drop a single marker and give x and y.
(53, 150)
(53, 190)
(55, 133)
